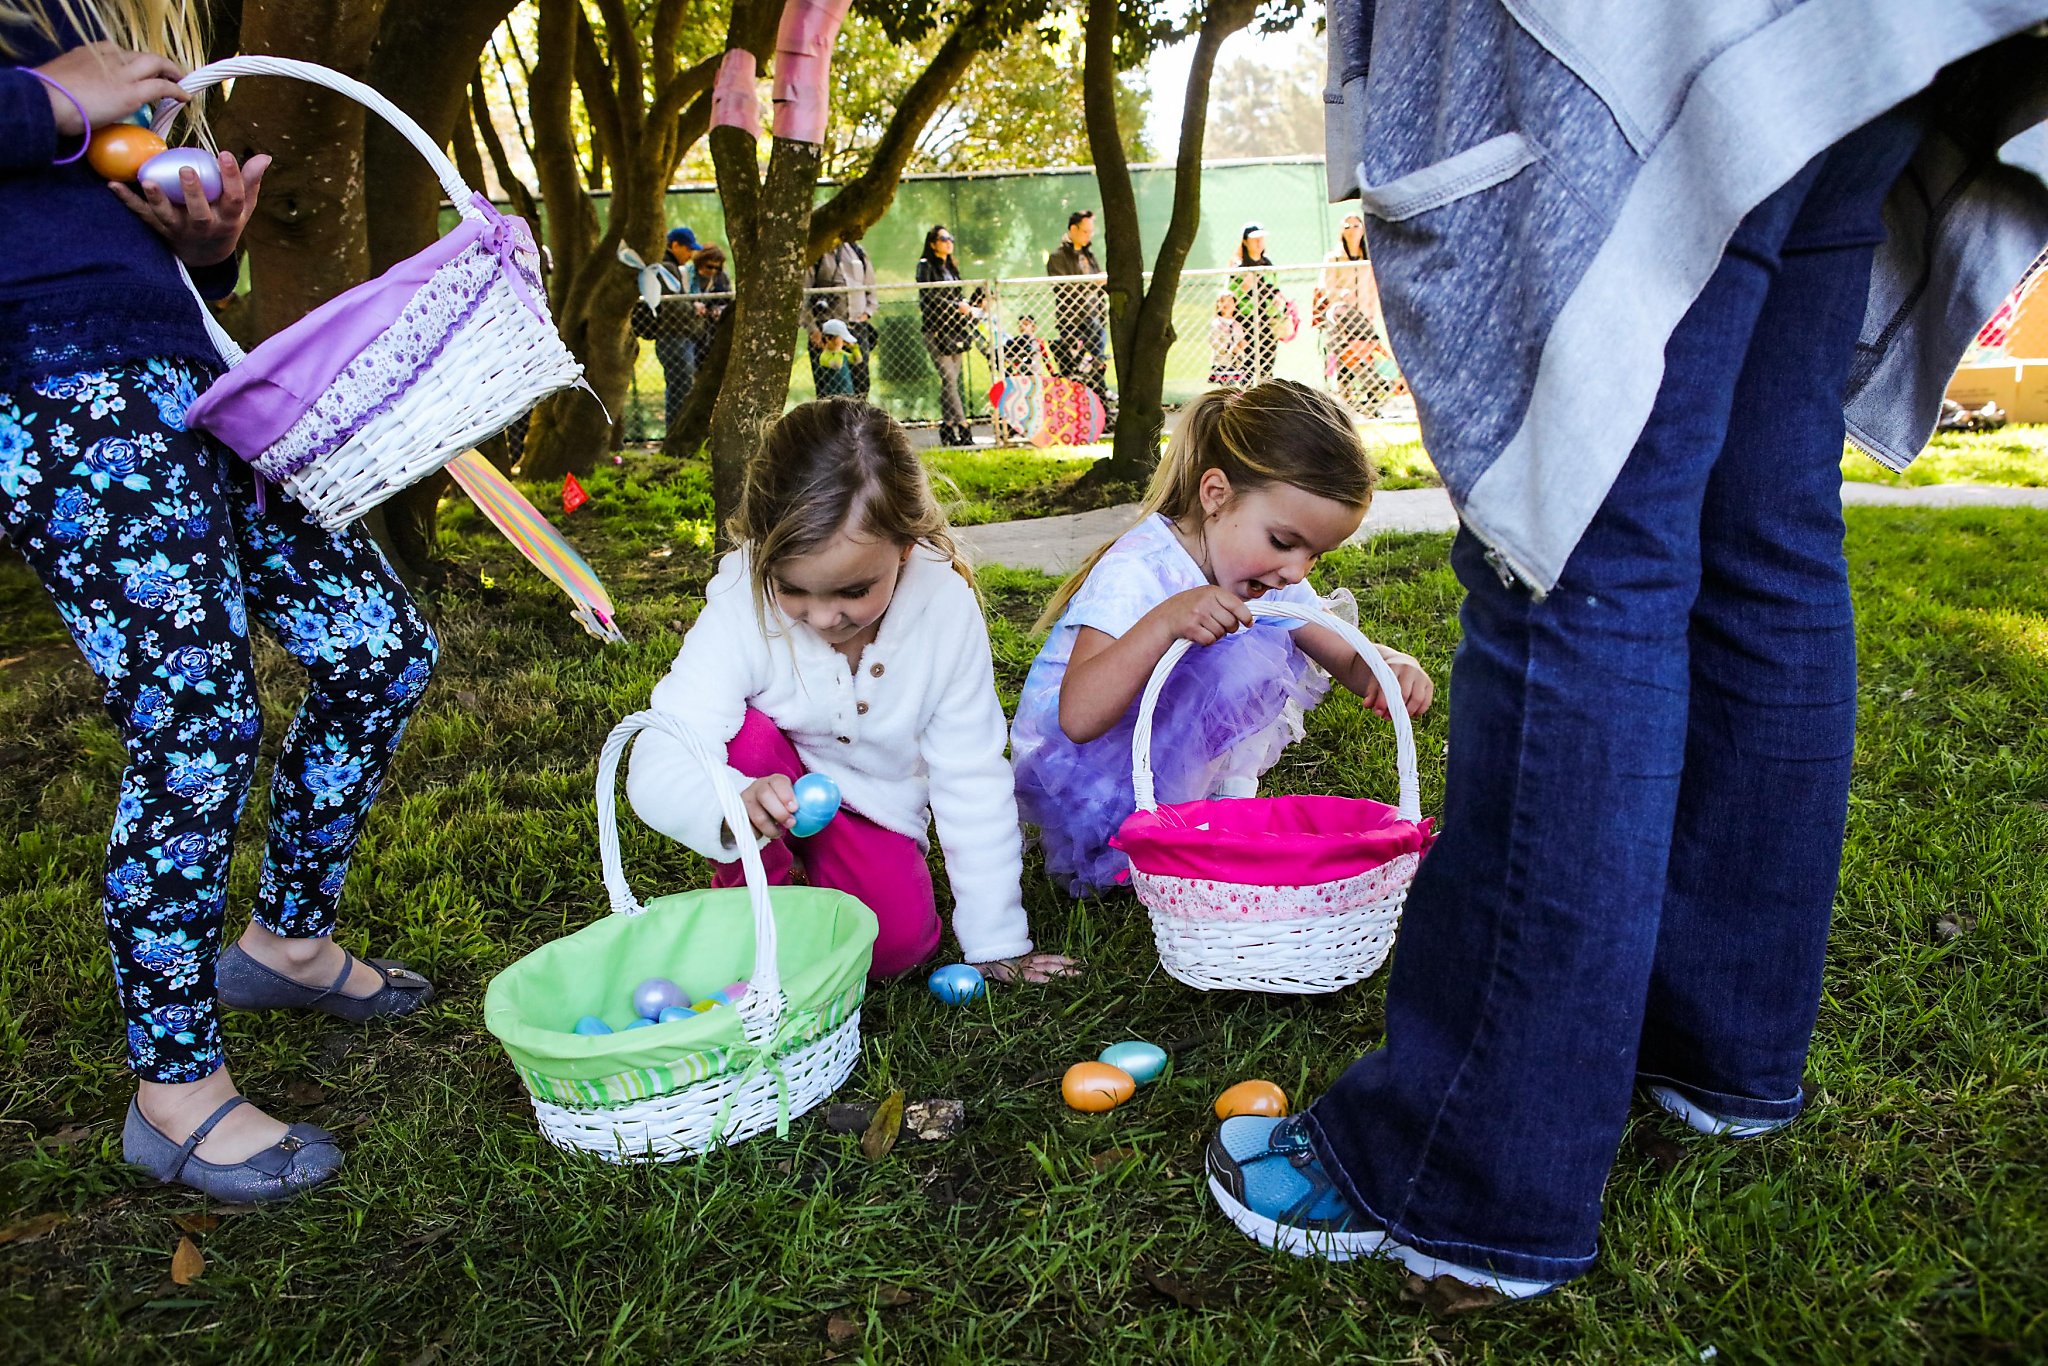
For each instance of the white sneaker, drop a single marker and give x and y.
(1709, 1123)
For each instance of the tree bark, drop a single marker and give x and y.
(308, 239)
(1140, 318)
(636, 102)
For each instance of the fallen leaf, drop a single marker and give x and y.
(30, 1229)
(196, 1223)
(842, 1328)
(849, 1119)
(427, 1237)
(661, 553)
(1179, 1291)
(187, 1263)
(303, 1092)
(881, 1133)
(65, 1137)
(1115, 1157)
(932, 1120)
(893, 1297)
(1447, 1296)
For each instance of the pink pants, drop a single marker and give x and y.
(885, 870)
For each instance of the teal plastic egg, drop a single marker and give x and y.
(590, 1024)
(674, 1013)
(640, 1022)
(957, 983)
(1144, 1061)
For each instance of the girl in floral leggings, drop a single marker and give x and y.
(157, 549)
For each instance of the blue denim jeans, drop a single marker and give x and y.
(1648, 779)
(678, 358)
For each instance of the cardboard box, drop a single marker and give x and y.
(1997, 382)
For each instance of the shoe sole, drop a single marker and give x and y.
(1329, 1245)
(1344, 1247)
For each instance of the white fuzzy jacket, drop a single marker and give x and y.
(916, 732)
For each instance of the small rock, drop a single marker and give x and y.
(932, 1120)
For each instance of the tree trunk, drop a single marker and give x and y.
(308, 240)
(768, 295)
(1141, 318)
(424, 59)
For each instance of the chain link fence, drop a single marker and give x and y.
(1318, 324)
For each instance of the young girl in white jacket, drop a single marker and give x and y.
(845, 637)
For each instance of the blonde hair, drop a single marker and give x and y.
(169, 28)
(1278, 432)
(830, 464)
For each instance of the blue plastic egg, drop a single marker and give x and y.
(590, 1024)
(670, 1014)
(642, 1022)
(1144, 1061)
(817, 802)
(957, 983)
(655, 995)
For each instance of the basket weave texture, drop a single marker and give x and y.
(1276, 933)
(470, 354)
(669, 1090)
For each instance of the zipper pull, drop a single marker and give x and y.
(1499, 563)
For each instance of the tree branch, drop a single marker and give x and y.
(624, 42)
(515, 189)
(1123, 249)
(594, 76)
(1225, 17)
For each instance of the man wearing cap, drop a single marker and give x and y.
(1079, 310)
(675, 339)
(843, 281)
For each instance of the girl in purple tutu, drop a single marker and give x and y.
(1254, 486)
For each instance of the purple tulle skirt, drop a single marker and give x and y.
(1225, 715)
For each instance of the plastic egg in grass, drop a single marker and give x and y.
(1252, 1098)
(165, 171)
(1096, 1086)
(957, 983)
(817, 802)
(1144, 1061)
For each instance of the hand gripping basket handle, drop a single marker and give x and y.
(213, 73)
(1410, 807)
(762, 1006)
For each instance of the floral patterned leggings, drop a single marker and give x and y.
(151, 541)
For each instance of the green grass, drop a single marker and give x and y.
(1905, 1220)
(2015, 455)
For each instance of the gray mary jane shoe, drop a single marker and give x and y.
(246, 984)
(302, 1159)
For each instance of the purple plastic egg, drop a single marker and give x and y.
(655, 995)
(162, 171)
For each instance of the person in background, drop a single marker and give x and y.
(948, 331)
(1259, 305)
(843, 281)
(673, 327)
(838, 354)
(1080, 310)
(1226, 343)
(1346, 314)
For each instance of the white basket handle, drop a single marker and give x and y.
(1410, 806)
(213, 73)
(762, 1007)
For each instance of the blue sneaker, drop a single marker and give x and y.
(1264, 1174)
(1267, 1178)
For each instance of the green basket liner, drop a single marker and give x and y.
(702, 941)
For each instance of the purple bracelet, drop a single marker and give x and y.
(76, 103)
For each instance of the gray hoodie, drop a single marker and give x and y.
(1548, 185)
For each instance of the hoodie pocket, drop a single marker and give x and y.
(1477, 168)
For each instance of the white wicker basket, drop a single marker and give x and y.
(1277, 938)
(494, 365)
(734, 1105)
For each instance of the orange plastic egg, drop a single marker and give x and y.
(1096, 1086)
(1252, 1098)
(118, 150)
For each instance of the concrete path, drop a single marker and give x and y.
(1057, 545)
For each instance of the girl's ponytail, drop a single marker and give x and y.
(1279, 432)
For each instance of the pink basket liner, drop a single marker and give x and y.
(1270, 841)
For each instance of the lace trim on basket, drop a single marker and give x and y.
(378, 377)
(1201, 899)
